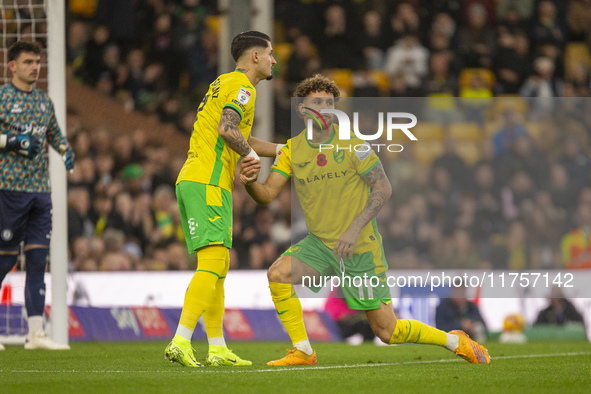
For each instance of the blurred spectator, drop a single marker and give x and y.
(458, 251)
(335, 43)
(79, 223)
(512, 128)
(511, 68)
(303, 61)
(547, 26)
(454, 165)
(476, 40)
(373, 40)
(560, 311)
(133, 177)
(523, 156)
(578, 20)
(75, 50)
(576, 244)
(123, 18)
(576, 163)
(409, 58)
(440, 80)
(163, 205)
(405, 20)
(94, 63)
(458, 313)
(524, 8)
(202, 63)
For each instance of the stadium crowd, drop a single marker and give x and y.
(490, 185)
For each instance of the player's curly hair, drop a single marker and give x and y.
(23, 46)
(315, 83)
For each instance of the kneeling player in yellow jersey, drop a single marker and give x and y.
(332, 188)
(221, 135)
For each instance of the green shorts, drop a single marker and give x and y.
(206, 214)
(360, 290)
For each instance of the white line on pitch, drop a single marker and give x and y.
(304, 368)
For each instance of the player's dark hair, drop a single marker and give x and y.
(247, 40)
(23, 46)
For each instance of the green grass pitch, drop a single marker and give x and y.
(536, 367)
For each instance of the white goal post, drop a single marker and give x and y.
(44, 20)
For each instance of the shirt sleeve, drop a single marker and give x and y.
(54, 135)
(282, 163)
(363, 156)
(240, 98)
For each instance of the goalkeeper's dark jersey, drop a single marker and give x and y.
(27, 113)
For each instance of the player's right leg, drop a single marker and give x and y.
(206, 217)
(396, 331)
(7, 261)
(286, 271)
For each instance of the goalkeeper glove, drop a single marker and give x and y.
(67, 156)
(24, 144)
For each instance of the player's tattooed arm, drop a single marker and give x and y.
(230, 132)
(381, 190)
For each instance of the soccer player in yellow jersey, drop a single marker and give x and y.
(340, 191)
(221, 135)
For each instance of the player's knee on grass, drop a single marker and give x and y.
(382, 321)
(280, 270)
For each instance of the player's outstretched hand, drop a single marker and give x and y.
(24, 144)
(249, 170)
(68, 156)
(346, 244)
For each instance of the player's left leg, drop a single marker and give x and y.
(38, 235)
(286, 271)
(35, 262)
(395, 331)
(219, 354)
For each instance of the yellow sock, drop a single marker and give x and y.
(210, 266)
(213, 317)
(414, 331)
(289, 309)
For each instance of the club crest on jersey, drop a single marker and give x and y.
(338, 156)
(16, 108)
(244, 96)
(6, 235)
(42, 107)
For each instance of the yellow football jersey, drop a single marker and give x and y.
(330, 187)
(209, 160)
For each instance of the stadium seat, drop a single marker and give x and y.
(576, 52)
(427, 151)
(465, 131)
(282, 51)
(468, 151)
(504, 102)
(213, 23)
(344, 78)
(468, 73)
(428, 131)
(383, 82)
(535, 130)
